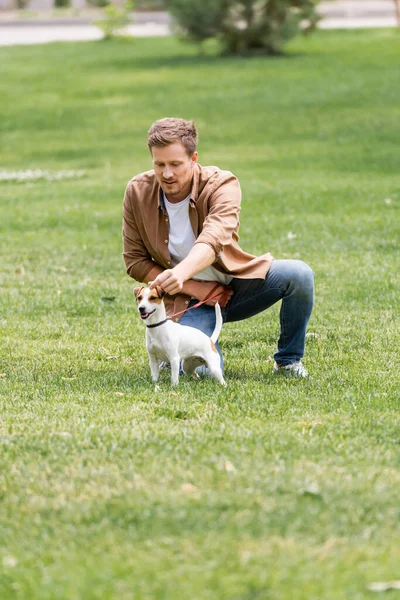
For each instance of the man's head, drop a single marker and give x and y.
(172, 143)
(170, 130)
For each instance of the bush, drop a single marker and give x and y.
(99, 3)
(21, 4)
(115, 19)
(245, 26)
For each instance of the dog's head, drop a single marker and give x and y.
(149, 301)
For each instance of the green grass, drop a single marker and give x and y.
(110, 490)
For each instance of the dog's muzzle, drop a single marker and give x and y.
(143, 314)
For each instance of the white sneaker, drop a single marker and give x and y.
(295, 369)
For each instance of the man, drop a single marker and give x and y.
(180, 231)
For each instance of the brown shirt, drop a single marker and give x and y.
(214, 215)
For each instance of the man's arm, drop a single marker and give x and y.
(137, 259)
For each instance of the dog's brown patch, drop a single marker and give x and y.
(153, 297)
(213, 348)
(138, 293)
(156, 294)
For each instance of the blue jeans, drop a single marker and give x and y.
(291, 281)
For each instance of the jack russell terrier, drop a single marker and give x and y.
(171, 342)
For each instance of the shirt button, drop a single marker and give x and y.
(187, 302)
(166, 220)
(168, 262)
(166, 241)
(176, 320)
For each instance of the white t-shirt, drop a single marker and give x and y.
(182, 238)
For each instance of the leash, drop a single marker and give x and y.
(208, 297)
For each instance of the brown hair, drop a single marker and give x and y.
(169, 130)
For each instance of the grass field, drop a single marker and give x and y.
(271, 488)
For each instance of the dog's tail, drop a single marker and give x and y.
(218, 324)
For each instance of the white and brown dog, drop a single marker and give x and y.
(171, 342)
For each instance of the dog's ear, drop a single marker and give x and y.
(160, 291)
(137, 291)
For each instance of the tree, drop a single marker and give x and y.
(245, 26)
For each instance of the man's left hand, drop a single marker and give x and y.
(169, 282)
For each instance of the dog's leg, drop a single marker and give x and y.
(174, 370)
(217, 373)
(214, 366)
(154, 367)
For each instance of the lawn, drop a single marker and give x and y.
(270, 488)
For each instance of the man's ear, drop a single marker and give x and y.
(160, 291)
(137, 291)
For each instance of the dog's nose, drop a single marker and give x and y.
(142, 309)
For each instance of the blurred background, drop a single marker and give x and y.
(39, 21)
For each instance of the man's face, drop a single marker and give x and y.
(174, 170)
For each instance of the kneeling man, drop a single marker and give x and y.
(180, 232)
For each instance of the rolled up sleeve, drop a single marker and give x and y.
(222, 221)
(137, 259)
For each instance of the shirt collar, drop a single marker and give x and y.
(161, 203)
(195, 186)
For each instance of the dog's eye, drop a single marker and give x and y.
(139, 298)
(153, 297)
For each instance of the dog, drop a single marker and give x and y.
(171, 342)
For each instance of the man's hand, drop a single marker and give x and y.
(169, 281)
(172, 281)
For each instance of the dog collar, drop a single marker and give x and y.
(157, 324)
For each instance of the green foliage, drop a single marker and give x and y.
(270, 489)
(115, 18)
(245, 26)
(21, 4)
(99, 3)
(62, 3)
(199, 20)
